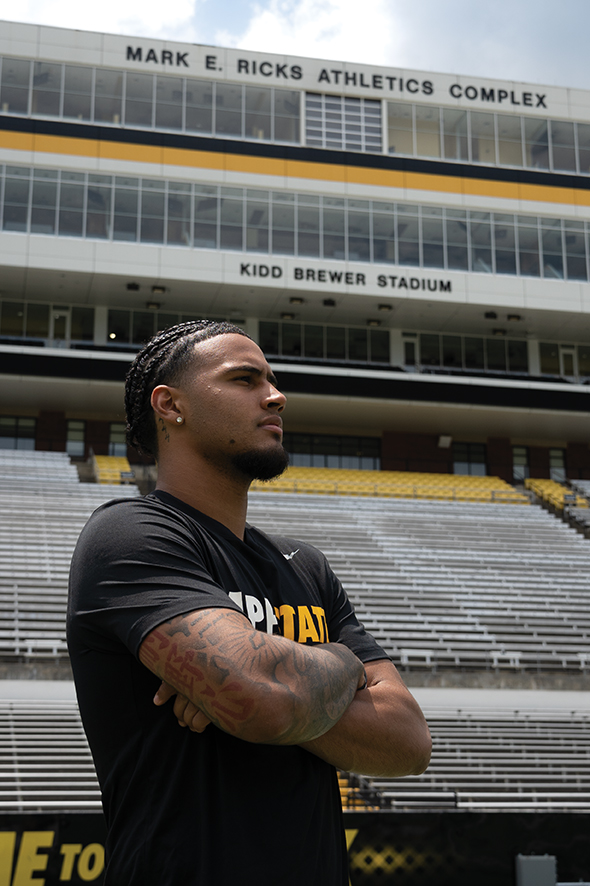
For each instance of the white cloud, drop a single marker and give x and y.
(145, 18)
(332, 29)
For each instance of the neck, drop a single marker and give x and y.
(218, 495)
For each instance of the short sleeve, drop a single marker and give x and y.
(136, 565)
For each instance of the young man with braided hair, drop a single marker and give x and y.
(183, 615)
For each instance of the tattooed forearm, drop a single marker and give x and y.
(256, 686)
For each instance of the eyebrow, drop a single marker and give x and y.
(255, 371)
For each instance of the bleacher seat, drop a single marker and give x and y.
(112, 469)
(45, 508)
(393, 484)
(555, 494)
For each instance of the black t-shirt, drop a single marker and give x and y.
(208, 809)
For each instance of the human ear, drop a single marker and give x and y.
(164, 402)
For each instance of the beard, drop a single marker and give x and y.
(257, 465)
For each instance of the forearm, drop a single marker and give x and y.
(382, 732)
(258, 687)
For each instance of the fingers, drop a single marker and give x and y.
(164, 693)
(189, 715)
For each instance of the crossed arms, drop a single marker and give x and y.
(269, 689)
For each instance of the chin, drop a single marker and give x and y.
(262, 465)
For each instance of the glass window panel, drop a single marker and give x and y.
(359, 245)
(308, 231)
(584, 147)
(563, 145)
(518, 360)
(108, 92)
(143, 326)
(334, 225)
(575, 246)
(12, 318)
(335, 343)
(455, 134)
(509, 140)
(427, 131)
(258, 99)
(552, 249)
(37, 324)
(98, 211)
(400, 128)
(536, 143)
(139, 87)
(314, 341)
(138, 113)
(291, 336)
(451, 351)
(496, 354)
(283, 219)
(287, 115)
(357, 345)
(169, 95)
(16, 204)
(432, 243)
(481, 253)
(46, 89)
(505, 245)
(118, 326)
(408, 239)
(429, 349)
(125, 217)
(383, 237)
(528, 241)
(268, 335)
(205, 225)
(584, 360)
(14, 87)
(474, 353)
(379, 344)
(199, 104)
(82, 323)
(43, 207)
(549, 356)
(228, 103)
(231, 223)
(179, 220)
(257, 126)
(483, 143)
(71, 206)
(77, 92)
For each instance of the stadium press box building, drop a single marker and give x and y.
(410, 249)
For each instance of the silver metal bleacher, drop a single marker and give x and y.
(451, 584)
(44, 507)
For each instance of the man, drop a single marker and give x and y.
(164, 595)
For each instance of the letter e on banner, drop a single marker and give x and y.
(29, 859)
(7, 844)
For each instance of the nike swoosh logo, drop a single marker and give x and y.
(291, 555)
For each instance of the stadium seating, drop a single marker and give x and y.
(446, 585)
(582, 487)
(45, 507)
(528, 760)
(394, 484)
(111, 469)
(555, 494)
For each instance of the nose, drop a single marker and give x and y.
(275, 399)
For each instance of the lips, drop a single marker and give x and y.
(272, 424)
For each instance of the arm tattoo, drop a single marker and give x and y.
(226, 670)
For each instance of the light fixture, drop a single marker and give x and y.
(444, 441)
(513, 318)
(329, 303)
(296, 300)
(498, 332)
(158, 290)
(491, 315)
(112, 335)
(286, 315)
(133, 287)
(384, 307)
(152, 305)
(373, 322)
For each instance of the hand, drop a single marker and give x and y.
(185, 711)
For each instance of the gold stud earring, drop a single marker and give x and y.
(179, 419)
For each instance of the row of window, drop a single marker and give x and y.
(488, 138)
(18, 432)
(76, 204)
(305, 450)
(318, 342)
(199, 107)
(466, 352)
(206, 107)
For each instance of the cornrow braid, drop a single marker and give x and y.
(162, 361)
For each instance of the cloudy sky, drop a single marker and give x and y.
(534, 41)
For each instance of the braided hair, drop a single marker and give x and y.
(162, 361)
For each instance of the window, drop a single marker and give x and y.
(17, 432)
(331, 451)
(520, 463)
(117, 441)
(557, 465)
(317, 342)
(469, 458)
(76, 431)
(346, 124)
